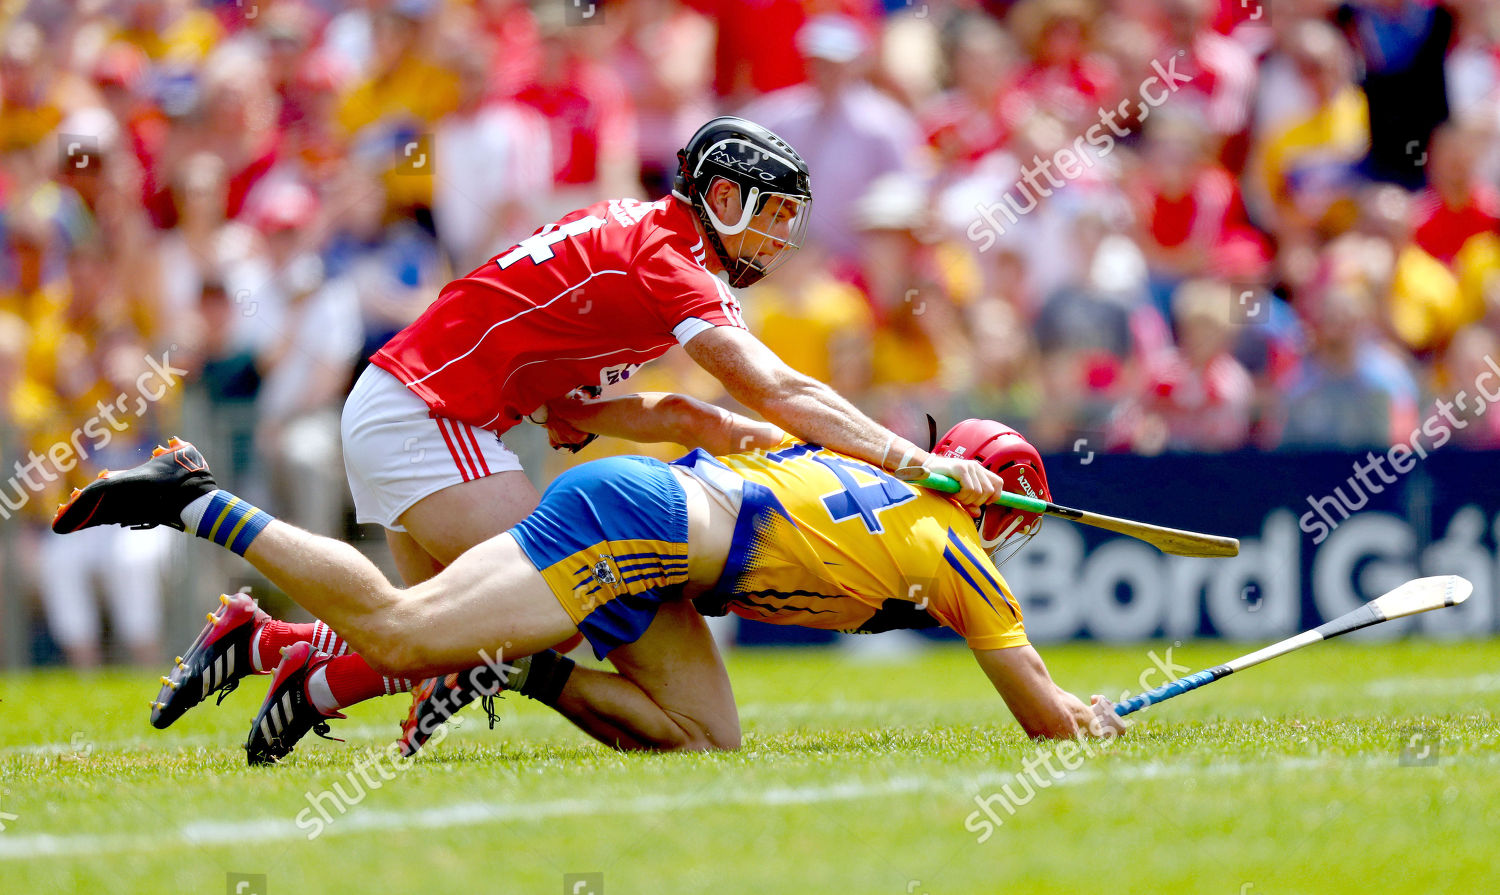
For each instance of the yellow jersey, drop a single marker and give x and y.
(826, 541)
(804, 326)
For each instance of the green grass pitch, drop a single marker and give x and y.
(1348, 767)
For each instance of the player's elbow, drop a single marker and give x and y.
(716, 430)
(687, 420)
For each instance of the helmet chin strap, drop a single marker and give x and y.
(988, 544)
(734, 268)
(746, 213)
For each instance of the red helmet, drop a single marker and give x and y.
(1003, 451)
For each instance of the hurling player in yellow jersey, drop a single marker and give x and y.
(794, 534)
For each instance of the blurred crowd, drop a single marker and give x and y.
(1263, 224)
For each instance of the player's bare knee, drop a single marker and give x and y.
(729, 741)
(384, 656)
(693, 737)
(388, 647)
(395, 644)
(723, 736)
(687, 742)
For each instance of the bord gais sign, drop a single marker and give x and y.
(1076, 582)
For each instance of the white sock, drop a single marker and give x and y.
(320, 693)
(325, 640)
(192, 514)
(255, 650)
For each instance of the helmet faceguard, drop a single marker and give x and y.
(1003, 451)
(774, 195)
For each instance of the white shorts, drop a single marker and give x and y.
(396, 452)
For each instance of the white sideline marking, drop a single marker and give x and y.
(217, 833)
(778, 711)
(363, 731)
(1396, 686)
(781, 711)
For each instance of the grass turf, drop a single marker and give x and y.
(1298, 776)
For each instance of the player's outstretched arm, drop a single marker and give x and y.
(652, 417)
(814, 412)
(1043, 708)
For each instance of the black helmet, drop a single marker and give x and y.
(766, 169)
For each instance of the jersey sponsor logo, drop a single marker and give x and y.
(616, 374)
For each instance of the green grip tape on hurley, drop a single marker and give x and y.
(939, 482)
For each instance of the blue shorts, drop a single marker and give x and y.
(611, 539)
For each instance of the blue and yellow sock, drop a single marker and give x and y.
(225, 519)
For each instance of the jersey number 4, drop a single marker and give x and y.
(856, 499)
(538, 247)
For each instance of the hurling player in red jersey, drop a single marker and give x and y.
(533, 334)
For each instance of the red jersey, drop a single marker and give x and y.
(1441, 229)
(582, 302)
(589, 110)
